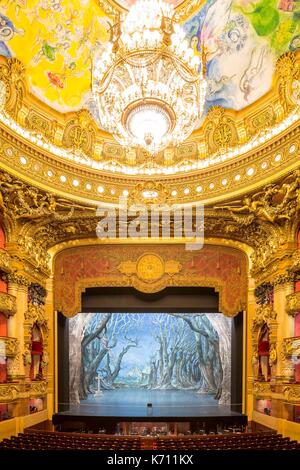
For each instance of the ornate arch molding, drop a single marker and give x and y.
(150, 268)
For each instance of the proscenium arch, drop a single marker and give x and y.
(115, 278)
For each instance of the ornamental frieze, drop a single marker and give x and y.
(8, 346)
(292, 393)
(9, 392)
(38, 388)
(293, 303)
(7, 304)
(262, 389)
(15, 278)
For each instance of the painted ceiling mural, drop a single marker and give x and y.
(57, 40)
(128, 3)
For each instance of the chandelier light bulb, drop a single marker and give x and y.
(148, 82)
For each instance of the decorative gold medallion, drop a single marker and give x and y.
(150, 268)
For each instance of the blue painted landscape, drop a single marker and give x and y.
(149, 352)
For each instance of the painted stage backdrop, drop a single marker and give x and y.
(117, 351)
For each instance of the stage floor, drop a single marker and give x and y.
(130, 403)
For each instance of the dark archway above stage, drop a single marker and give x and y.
(128, 299)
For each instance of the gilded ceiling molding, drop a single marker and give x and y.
(83, 140)
(150, 269)
(230, 179)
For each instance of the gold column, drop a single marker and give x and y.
(49, 311)
(15, 325)
(284, 369)
(249, 352)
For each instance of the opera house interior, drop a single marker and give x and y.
(149, 225)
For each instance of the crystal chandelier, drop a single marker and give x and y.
(148, 83)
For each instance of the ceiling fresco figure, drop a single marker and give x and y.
(240, 41)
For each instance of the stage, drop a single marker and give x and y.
(128, 405)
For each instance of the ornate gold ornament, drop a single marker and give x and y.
(262, 389)
(9, 392)
(12, 73)
(15, 278)
(149, 192)
(5, 260)
(292, 393)
(275, 204)
(7, 304)
(273, 355)
(289, 72)
(38, 388)
(8, 346)
(291, 348)
(259, 121)
(28, 203)
(293, 303)
(295, 262)
(264, 314)
(80, 133)
(220, 131)
(150, 267)
(41, 126)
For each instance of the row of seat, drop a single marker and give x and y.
(245, 441)
(71, 441)
(56, 441)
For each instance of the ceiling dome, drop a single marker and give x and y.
(252, 97)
